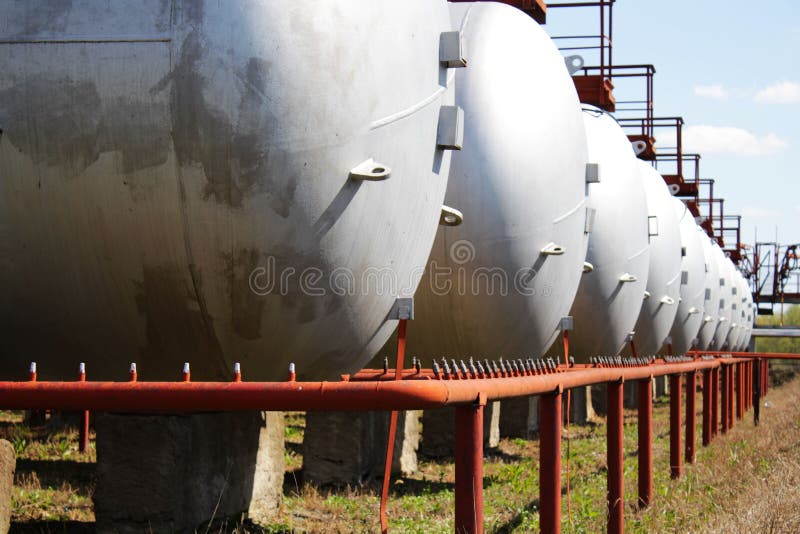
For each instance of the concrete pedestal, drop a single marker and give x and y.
(349, 448)
(8, 464)
(660, 386)
(173, 473)
(519, 417)
(583, 404)
(630, 394)
(438, 430)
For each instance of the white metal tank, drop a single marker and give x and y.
(749, 319)
(664, 268)
(733, 332)
(736, 309)
(214, 182)
(726, 319)
(708, 327)
(610, 294)
(498, 284)
(743, 305)
(691, 304)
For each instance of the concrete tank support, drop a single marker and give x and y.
(660, 386)
(7, 466)
(586, 403)
(438, 430)
(341, 448)
(168, 473)
(519, 417)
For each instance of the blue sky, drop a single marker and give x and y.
(731, 69)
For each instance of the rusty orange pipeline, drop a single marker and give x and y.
(323, 396)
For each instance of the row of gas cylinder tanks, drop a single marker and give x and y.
(192, 180)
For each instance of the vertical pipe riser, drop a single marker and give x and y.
(675, 462)
(614, 454)
(707, 400)
(691, 422)
(469, 469)
(645, 431)
(550, 462)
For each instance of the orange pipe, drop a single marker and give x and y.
(413, 394)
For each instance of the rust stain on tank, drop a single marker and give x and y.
(247, 307)
(232, 146)
(64, 123)
(176, 329)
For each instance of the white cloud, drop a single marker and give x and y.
(753, 211)
(707, 139)
(779, 93)
(714, 92)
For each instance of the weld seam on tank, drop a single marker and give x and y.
(645, 249)
(571, 212)
(402, 114)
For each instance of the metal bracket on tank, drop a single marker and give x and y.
(370, 170)
(588, 224)
(627, 277)
(587, 267)
(450, 131)
(694, 311)
(592, 173)
(402, 309)
(452, 50)
(666, 299)
(573, 63)
(646, 295)
(652, 226)
(629, 337)
(450, 216)
(551, 249)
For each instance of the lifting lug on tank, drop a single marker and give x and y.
(450, 216)
(371, 171)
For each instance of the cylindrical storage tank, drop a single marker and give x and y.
(749, 319)
(741, 313)
(726, 298)
(746, 317)
(611, 291)
(733, 331)
(708, 326)
(499, 283)
(664, 268)
(691, 304)
(213, 182)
